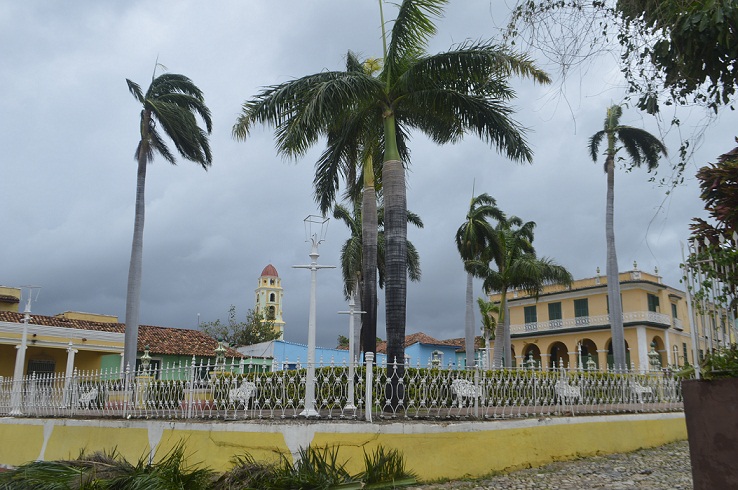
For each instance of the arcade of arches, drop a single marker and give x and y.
(589, 350)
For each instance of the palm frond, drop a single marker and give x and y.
(641, 146)
(135, 89)
(594, 144)
(412, 29)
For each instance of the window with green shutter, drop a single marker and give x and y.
(530, 314)
(653, 303)
(581, 311)
(554, 315)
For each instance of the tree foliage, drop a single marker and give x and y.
(676, 51)
(714, 246)
(254, 330)
(719, 191)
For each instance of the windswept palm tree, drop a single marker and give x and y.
(171, 107)
(444, 96)
(642, 147)
(473, 237)
(516, 266)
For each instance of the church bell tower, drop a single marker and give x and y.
(269, 297)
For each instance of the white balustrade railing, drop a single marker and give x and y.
(198, 391)
(592, 321)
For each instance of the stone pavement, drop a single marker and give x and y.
(661, 468)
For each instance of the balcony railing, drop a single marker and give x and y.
(593, 321)
(205, 392)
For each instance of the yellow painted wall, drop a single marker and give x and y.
(7, 360)
(432, 450)
(10, 304)
(89, 317)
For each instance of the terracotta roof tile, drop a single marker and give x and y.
(161, 340)
(269, 271)
(423, 338)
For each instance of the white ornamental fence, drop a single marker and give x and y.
(203, 391)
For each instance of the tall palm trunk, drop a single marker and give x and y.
(469, 321)
(357, 328)
(500, 332)
(613, 281)
(395, 205)
(133, 293)
(369, 264)
(507, 354)
(395, 236)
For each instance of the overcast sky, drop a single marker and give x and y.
(69, 128)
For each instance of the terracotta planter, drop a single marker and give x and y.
(711, 411)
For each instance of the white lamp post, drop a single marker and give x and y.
(316, 228)
(20, 359)
(351, 313)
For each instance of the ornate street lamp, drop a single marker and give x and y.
(316, 228)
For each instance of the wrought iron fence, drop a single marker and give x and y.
(197, 391)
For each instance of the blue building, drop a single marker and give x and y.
(422, 350)
(288, 355)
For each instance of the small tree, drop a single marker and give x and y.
(254, 330)
(343, 341)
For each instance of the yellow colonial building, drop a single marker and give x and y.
(571, 325)
(88, 341)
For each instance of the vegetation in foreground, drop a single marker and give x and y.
(314, 469)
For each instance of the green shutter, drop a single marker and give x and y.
(581, 307)
(530, 314)
(554, 311)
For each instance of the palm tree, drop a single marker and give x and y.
(516, 266)
(642, 147)
(473, 237)
(352, 251)
(443, 95)
(490, 312)
(171, 104)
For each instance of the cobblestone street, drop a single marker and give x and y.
(662, 468)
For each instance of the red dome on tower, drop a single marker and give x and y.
(269, 271)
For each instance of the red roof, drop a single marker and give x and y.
(161, 340)
(421, 338)
(269, 271)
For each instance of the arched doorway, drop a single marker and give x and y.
(559, 354)
(588, 359)
(660, 349)
(610, 358)
(531, 352)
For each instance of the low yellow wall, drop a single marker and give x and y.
(432, 450)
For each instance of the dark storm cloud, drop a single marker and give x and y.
(69, 130)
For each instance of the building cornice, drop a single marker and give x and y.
(70, 334)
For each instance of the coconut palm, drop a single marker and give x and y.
(443, 96)
(170, 107)
(515, 266)
(642, 147)
(473, 237)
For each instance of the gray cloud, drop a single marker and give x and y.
(69, 130)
